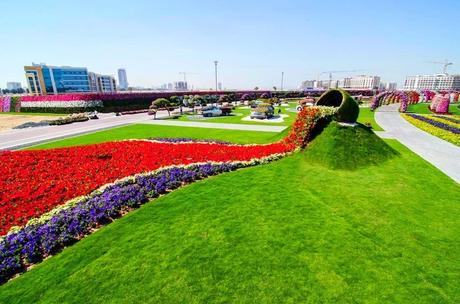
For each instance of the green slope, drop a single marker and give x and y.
(290, 231)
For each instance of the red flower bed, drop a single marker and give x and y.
(34, 182)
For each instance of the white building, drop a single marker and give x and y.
(360, 82)
(388, 86)
(308, 84)
(122, 79)
(102, 83)
(13, 85)
(432, 82)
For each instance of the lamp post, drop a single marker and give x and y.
(215, 71)
(282, 80)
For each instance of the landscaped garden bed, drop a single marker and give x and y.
(442, 126)
(38, 208)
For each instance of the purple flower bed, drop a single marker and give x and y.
(451, 119)
(185, 139)
(34, 242)
(436, 123)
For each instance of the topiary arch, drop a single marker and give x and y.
(348, 108)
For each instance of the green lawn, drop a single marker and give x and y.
(139, 131)
(422, 108)
(367, 116)
(239, 113)
(287, 232)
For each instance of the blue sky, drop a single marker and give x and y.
(254, 41)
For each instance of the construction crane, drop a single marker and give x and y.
(335, 72)
(185, 75)
(445, 64)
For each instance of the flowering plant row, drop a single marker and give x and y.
(433, 128)
(404, 98)
(62, 104)
(53, 231)
(39, 213)
(10, 104)
(448, 118)
(34, 182)
(435, 123)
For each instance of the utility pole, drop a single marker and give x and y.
(215, 71)
(282, 80)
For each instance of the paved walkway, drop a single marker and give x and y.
(213, 125)
(440, 153)
(18, 138)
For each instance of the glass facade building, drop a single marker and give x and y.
(43, 79)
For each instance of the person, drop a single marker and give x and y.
(279, 110)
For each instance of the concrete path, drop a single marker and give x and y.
(18, 138)
(440, 153)
(212, 125)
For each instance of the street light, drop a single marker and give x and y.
(215, 71)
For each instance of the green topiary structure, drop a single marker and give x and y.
(348, 107)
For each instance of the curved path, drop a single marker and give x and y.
(440, 153)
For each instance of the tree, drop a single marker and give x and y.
(256, 88)
(274, 88)
(162, 103)
(176, 101)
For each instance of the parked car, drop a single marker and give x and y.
(264, 112)
(211, 111)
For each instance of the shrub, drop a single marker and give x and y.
(348, 109)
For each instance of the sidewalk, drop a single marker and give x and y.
(18, 138)
(440, 153)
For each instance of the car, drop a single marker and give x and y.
(211, 111)
(263, 112)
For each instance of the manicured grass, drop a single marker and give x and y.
(422, 108)
(340, 147)
(139, 131)
(288, 232)
(240, 112)
(366, 116)
(31, 114)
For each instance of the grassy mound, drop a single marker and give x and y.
(349, 148)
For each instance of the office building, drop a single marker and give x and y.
(13, 86)
(43, 80)
(432, 82)
(122, 79)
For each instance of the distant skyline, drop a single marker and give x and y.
(254, 41)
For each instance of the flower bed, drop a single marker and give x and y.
(48, 198)
(71, 222)
(442, 130)
(34, 182)
(447, 118)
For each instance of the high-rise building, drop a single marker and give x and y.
(43, 80)
(432, 82)
(13, 86)
(180, 86)
(122, 79)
